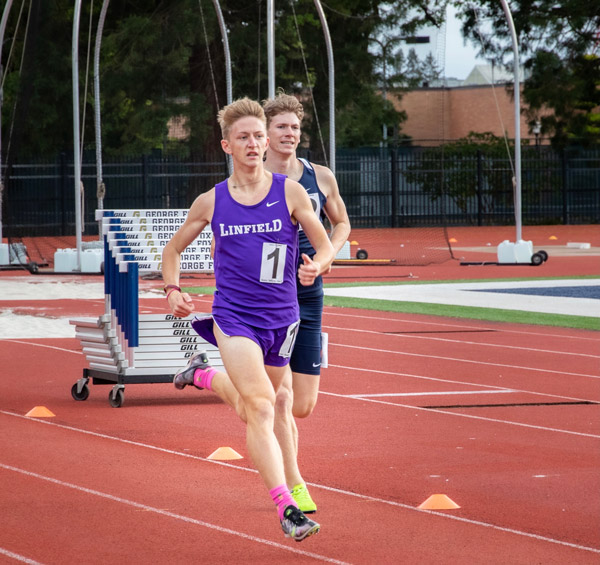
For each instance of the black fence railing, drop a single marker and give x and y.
(382, 187)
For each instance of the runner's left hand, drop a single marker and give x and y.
(308, 271)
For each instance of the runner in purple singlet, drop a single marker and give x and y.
(254, 215)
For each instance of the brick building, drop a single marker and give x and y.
(449, 113)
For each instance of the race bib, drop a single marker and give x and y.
(272, 264)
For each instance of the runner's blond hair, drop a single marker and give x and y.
(238, 109)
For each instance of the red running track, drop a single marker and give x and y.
(503, 419)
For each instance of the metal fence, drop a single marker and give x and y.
(413, 187)
(382, 187)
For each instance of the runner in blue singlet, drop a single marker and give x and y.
(298, 396)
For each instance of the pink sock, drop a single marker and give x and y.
(203, 377)
(282, 498)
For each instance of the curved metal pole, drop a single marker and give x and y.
(226, 48)
(513, 35)
(225, 40)
(100, 190)
(5, 15)
(76, 139)
(271, 47)
(331, 85)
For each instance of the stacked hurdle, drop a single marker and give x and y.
(123, 346)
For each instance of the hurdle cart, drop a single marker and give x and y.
(123, 346)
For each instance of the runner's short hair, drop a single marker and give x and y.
(238, 109)
(281, 104)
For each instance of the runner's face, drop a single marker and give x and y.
(247, 141)
(284, 133)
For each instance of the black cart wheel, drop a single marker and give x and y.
(537, 259)
(362, 254)
(80, 395)
(116, 398)
(543, 254)
(33, 268)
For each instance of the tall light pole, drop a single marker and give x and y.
(5, 14)
(331, 73)
(271, 48)
(520, 251)
(76, 136)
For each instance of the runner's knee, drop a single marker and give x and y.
(259, 410)
(284, 399)
(303, 407)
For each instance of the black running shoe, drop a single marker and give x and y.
(185, 376)
(296, 525)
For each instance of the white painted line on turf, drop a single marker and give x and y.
(398, 394)
(25, 326)
(491, 327)
(332, 489)
(40, 289)
(168, 514)
(460, 294)
(18, 557)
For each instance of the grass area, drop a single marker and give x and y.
(471, 312)
(448, 310)
(414, 281)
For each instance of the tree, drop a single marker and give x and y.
(559, 45)
(430, 70)
(162, 59)
(35, 111)
(575, 100)
(413, 69)
(157, 63)
(461, 183)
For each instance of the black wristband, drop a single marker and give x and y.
(173, 286)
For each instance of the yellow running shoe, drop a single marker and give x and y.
(303, 500)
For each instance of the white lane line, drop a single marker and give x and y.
(77, 352)
(168, 514)
(462, 415)
(324, 487)
(18, 557)
(462, 342)
(454, 382)
(395, 394)
(459, 360)
(469, 521)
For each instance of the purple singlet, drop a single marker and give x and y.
(256, 257)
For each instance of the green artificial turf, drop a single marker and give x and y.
(471, 312)
(449, 310)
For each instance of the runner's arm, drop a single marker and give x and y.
(197, 219)
(334, 208)
(302, 211)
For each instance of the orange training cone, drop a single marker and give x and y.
(553, 237)
(453, 240)
(40, 412)
(224, 454)
(354, 243)
(438, 502)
